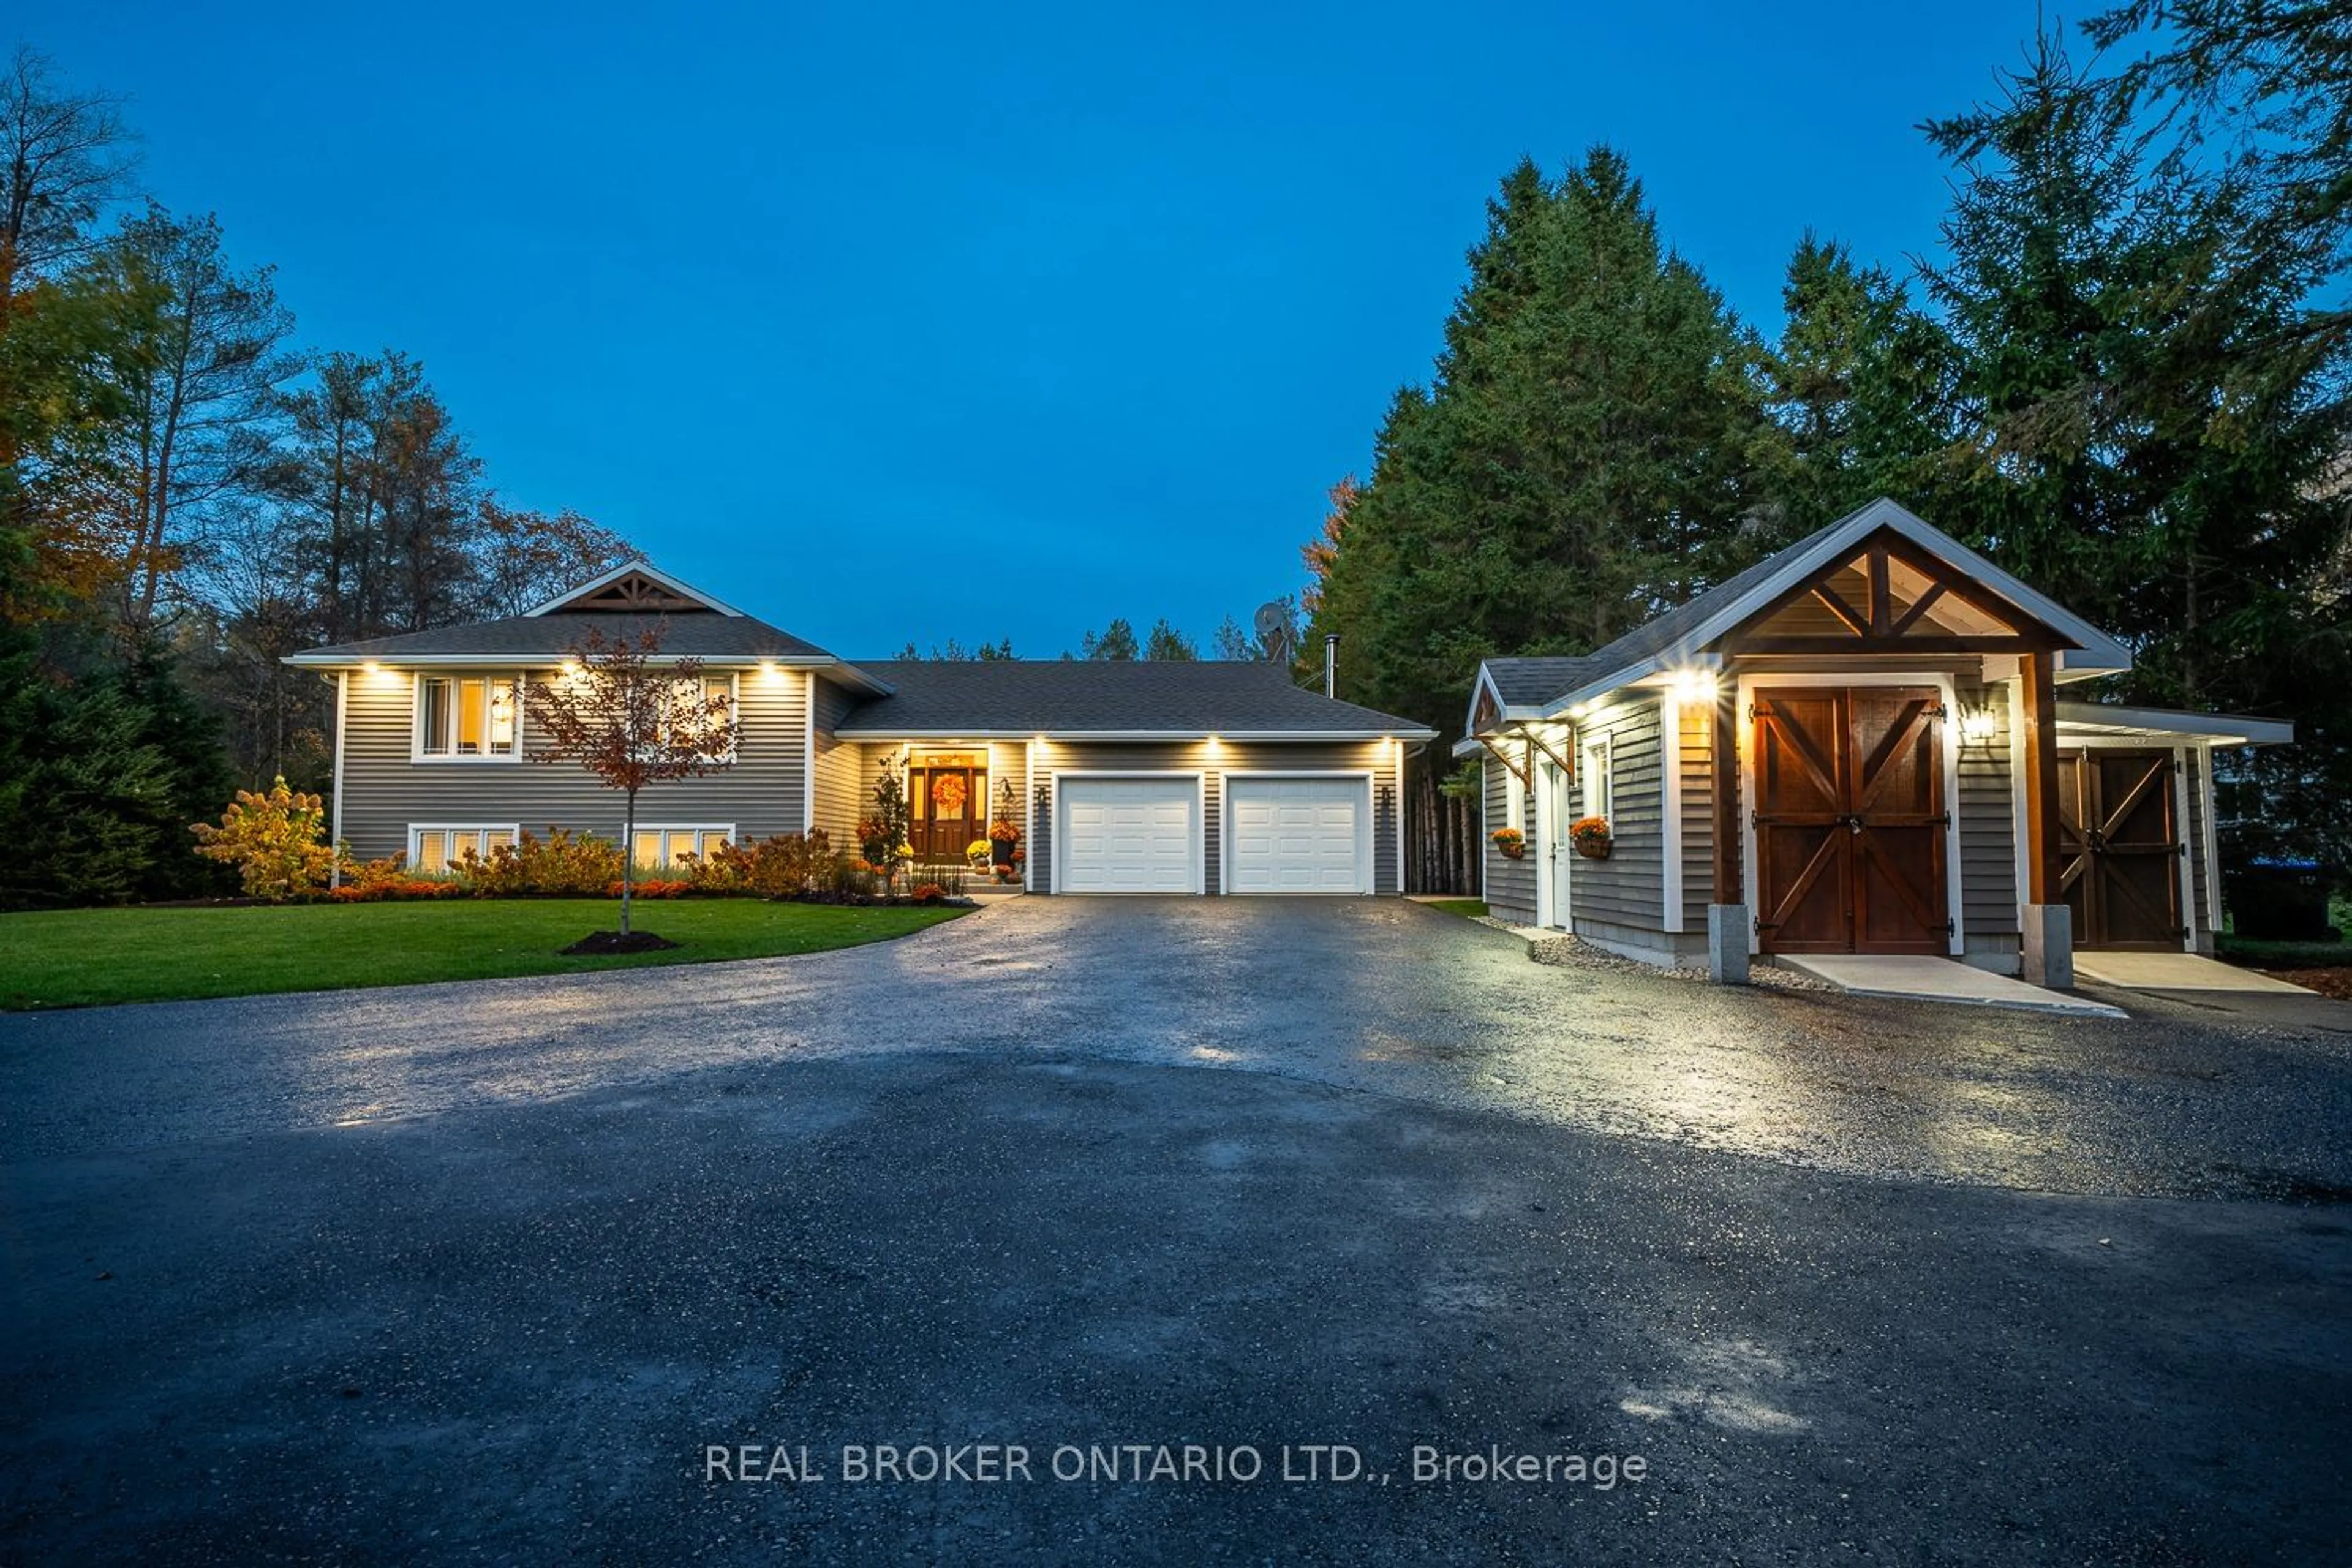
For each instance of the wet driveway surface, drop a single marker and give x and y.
(483, 1272)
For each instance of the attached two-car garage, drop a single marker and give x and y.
(1145, 832)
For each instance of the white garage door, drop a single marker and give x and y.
(1129, 835)
(1300, 836)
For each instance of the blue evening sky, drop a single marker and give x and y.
(968, 320)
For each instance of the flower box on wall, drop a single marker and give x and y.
(1590, 837)
(1510, 841)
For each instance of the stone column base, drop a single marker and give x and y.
(2049, 935)
(1727, 928)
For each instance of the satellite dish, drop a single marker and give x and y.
(1274, 632)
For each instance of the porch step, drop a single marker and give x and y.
(1938, 980)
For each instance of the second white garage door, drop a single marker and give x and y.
(1299, 835)
(1129, 835)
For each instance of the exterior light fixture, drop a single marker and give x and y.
(1977, 726)
(1696, 684)
(769, 674)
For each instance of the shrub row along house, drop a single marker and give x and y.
(1121, 777)
(1855, 746)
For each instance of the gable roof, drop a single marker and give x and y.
(547, 638)
(941, 699)
(1681, 635)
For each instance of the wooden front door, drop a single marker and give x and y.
(946, 806)
(1849, 820)
(2119, 849)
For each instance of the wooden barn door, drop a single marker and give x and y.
(1849, 820)
(2119, 849)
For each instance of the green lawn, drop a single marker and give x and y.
(79, 958)
(1468, 909)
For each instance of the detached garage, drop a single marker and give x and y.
(1140, 776)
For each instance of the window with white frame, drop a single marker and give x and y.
(662, 845)
(712, 689)
(1515, 798)
(434, 848)
(470, 717)
(1599, 781)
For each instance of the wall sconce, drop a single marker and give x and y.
(1977, 726)
(769, 674)
(1694, 685)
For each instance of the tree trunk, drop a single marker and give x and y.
(628, 857)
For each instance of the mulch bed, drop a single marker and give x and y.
(2336, 983)
(610, 941)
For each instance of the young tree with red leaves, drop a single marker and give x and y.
(632, 719)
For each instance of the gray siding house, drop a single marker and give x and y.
(1123, 777)
(1854, 746)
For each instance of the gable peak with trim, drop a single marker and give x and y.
(634, 587)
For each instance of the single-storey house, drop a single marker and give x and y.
(1855, 746)
(1122, 776)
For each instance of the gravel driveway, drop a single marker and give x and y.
(483, 1272)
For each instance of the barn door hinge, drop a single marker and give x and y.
(1943, 821)
(1939, 712)
(1950, 929)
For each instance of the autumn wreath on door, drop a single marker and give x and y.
(948, 794)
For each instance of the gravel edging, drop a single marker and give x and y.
(1562, 951)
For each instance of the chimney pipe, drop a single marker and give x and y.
(1331, 664)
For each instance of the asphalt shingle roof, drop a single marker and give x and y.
(699, 634)
(1073, 696)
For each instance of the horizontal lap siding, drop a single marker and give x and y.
(1629, 888)
(1510, 884)
(1697, 728)
(1986, 804)
(384, 792)
(843, 773)
(1238, 756)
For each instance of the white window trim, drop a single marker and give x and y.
(417, 752)
(513, 830)
(1365, 837)
(728, 758)
(1604, 746)
(697, 829)
(1200, 822)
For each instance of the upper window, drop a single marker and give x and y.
(714, 688)
(467, 716)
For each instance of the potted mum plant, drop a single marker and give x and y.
(1590, 837)
(1510, 841)
(1002, 834)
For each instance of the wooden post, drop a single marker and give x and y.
(2040, 718)
(1723, 764)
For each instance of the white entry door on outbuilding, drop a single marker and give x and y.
(1298, 834)
(1129, 833)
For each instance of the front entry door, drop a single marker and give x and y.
(947, 799)
(1849, 820)
(1559, 852)
(2119, 849)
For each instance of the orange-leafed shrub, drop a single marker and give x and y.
(651, 887)
(580, 865)
(277, 841)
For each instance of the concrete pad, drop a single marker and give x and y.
(2176, 972)
(1918, 979)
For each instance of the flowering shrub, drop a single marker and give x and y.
(395, 889)
(581, 866)
(929, 893)
(276, 841)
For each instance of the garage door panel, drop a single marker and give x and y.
(1299, 835)
(1130, 835)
